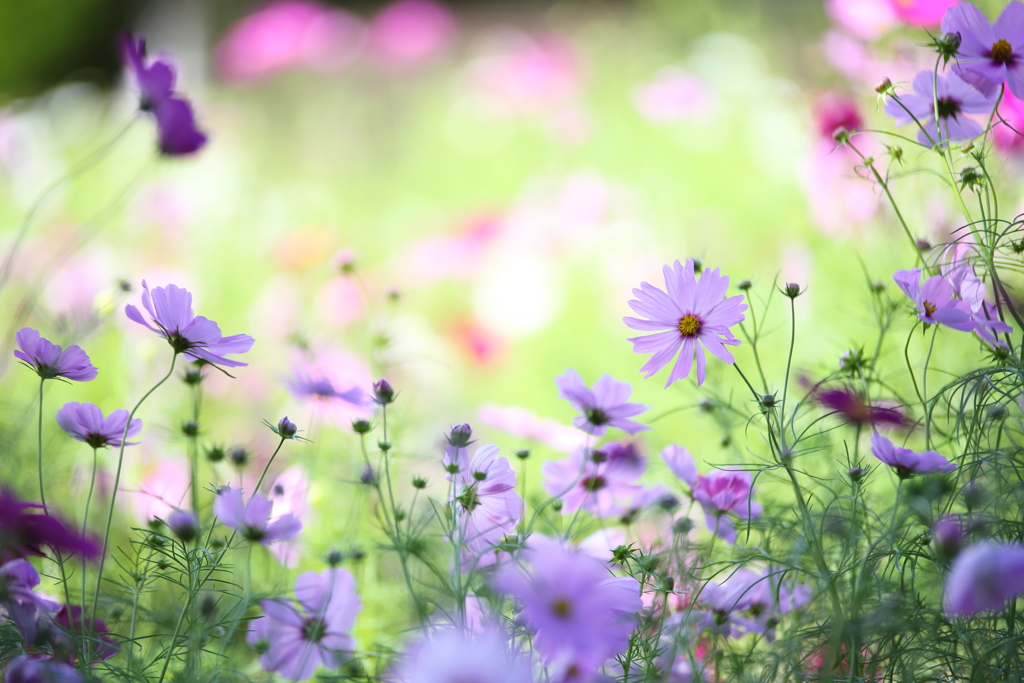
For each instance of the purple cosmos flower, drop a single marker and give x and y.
(252, 519)
(955, 98)
(171, 310)
(906, 462)
(176, 125)
(983, 577)
(598, 481)
(295, 640)
(989, 54)
(934, 300)
(692, 316)
(71, 621)
(453, 654)
(602, 407)
(485, 491)
(750, 603)
(85, 422)
(50, 361)
(578, 610)
(23, 533)
(849, 403)
(25, 669)
(18, 579)
(184, 524)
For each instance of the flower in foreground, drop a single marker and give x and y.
(252, 519)
(71, 621)
(176, 124)
(23, 532)
(954, 96)
(688, 315)
(85, 422)
(989, 54)
(454, 654)
(934, 300)
(906, 462)
(50, 361)
(984, 577)
(294, 640)
(600, 481)
(489, 506)
(603, 406)
(170, 308)
(25, 669)
(854, 408)
(579, 612)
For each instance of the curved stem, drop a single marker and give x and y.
(85, 516)
(42, 494)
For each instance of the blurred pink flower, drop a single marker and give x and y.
(336, 384)
(340, 301)
(161, 490)
(527, 425)
(409, 32)
(288, 496)
(458, 256)
(871, 18)
(673, 95)
(531, 76)
(480, 344)
(288, 34)
(1012, 111)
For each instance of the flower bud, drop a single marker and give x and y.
(419, 483)
(239, 456)
(792, 290)
(384, 445)
(598, 456)
(682, 526)
(383, 394)
(193, 376)
(368, 476)
(744, 285)
(883, 86)
(768, 400)
(841, 135)
(215, 453)
(357, 555)
(361, 426)
(855, 474)
(190, 428)
(286, 428)
(335, 557)
(523, 453)
(184, 524)
(460, 435)
(557, 506)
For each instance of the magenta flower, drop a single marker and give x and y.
(984, 577)
(855, 409)
(934, 300)
(455, 654)
(176, 125)
(485, 491)
(50, 361)
(23, 533)
(295, 640)
(692, 316)
(577, 609)
(989, 54)
(25, 669)
(906, 462)
(602, 482)
(197, 337)
(85, 422)
(955, 98)
(71, 621)
(602, 407)
(252, 519)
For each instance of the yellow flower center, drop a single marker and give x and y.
(561, 607)
(1002, 51)
(689, 325)
(929, 308)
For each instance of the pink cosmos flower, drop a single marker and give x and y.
(85, 422)
(524, 424)
(1007, 136)
(578, 610)
(252, 519)
(691, 316)
(455, 654)
(674, 95)
(408, 32)
(955, 98)
(603, 406)
(530, 75)
(50, 361)
(934, 300)
(335, 383)
(484, 489)
(602, 482)
(295, 640)
(160, 491)
(989, 54)
(983, 578)
(197, 337)
(906, 462)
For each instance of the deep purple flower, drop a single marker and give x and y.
(71, 621)
(176, 125)
(906, 462)
(197, 337)
(983, 577)
(295, 641)
(489, 506)
(600, 481)
(603, 406)
(989, 54)
(18, 579)
(577, 609)
(454, 654)
(25, 669)
(50, 361)
(23, 532)
(252, 520)
(934, 300)
(692, 316)
(955, 98)
(85, 422)
(854, 408)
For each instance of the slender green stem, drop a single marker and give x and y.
(266, 467)
(42, 493)
(85, 516)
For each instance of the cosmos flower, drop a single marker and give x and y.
(854, 408)
(600, 481)
(26, 669)
(85, 422)
(288, 496)
(983, 578)
(906, 462)
(295, 640)
(989, 54)
(603, 406)
(170, 308)
(409, 32)
(50, 361)
(691, 316)
(484, 489)
(176, 124)
(955, 98)
(934, 300)
(578, 611)
(252, 519)
(23, 533)
(335, 384)
(71, 622)
(454, 654)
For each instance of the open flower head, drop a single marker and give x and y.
(454, 654)
(689, 315)
(989, 53)
(170, 308)
(907, 462)
(983, 578)
(954, 96)
(603, 406)
(85, 422)
(252, 519)
(600, 481)
(934, 300)
(24, 531)
(50, 361)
